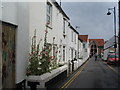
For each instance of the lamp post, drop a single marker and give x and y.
(109, 13)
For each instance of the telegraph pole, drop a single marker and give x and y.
(119, 28)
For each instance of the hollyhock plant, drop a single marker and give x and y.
(40, 60)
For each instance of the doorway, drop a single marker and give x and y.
(8, 55)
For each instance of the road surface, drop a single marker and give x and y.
(93, 74)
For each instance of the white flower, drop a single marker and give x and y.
(39, 68)
(39, 63)
(50, 68)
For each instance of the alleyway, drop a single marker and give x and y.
(93, 74)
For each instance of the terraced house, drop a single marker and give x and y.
(49, 25)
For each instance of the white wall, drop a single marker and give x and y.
(86, 54)
(37, 20)
(37, 12)
(22, 41)
(105, 54)
(108, 44)
(71, 44)
(80, 49)
(31, 16)
(9, 12)
(17, 14)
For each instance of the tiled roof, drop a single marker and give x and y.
(84, 38)
(99, 42)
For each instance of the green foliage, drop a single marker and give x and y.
(40, 62)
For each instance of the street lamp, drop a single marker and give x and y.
(109, 13)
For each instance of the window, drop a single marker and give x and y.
(75, 38)
(49, 13)
(54, 50)
(8, 48)
(71, 54)
(72, 36)
(63, 53)
(63, 26)
(83, 45)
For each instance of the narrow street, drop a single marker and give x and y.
(93, 74)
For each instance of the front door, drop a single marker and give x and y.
(8, 55)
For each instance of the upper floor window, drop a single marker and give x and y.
(72, 36)
(75, 38)
(63, 26)
(49, 14)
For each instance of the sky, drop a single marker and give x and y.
(92, 18)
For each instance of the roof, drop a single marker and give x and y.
(99, 42)
(59, 7)
(73, 29)
(84, 38)
(79, 39)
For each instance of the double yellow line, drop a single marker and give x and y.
(73, 78)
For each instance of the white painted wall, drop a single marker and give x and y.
(80, 49)
(72, 44)
(9, 12)
(107, 45)
(17, 14)
(86, 53)
(31, 16)
(22, 41)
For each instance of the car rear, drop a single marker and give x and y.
(111, 59)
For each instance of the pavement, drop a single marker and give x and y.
(93, 74)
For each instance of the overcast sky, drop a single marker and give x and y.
(91, 17)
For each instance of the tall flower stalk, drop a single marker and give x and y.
(40, 61)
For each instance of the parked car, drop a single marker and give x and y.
(111, 58)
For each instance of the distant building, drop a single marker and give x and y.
(109, 46)
(86, 49)
(96, 46)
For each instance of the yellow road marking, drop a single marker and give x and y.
(73, 78)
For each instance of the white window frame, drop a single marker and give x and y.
(49, 14)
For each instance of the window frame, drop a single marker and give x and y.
(64, 26)
(49, 14)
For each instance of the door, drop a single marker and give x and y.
(8, 55)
